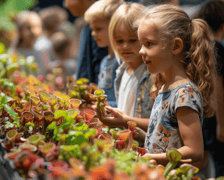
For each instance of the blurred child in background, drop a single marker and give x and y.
(62, 46)
(98, 16)
(52, 20)
(28, 29)
(90, 55)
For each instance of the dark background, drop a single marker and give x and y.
(46, 3)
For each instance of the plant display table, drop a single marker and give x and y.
(50, 134)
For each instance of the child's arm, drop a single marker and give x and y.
(120, 119)
(191, 134)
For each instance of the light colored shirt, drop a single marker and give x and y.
(128, 90)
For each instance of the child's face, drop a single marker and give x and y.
(99, 28)
(31, 29)
(156, 54)
(126, 44)
(76, 7)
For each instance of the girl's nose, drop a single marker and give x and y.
(36, 31)
(126, 45)
(142, 52)
(93, 33)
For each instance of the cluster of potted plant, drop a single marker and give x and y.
(48, 136)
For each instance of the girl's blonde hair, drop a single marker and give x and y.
(126, 14)
(199, 56)
(102, 9)
(19, 22)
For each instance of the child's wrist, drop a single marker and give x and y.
(126, 118)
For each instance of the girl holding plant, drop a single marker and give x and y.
(180, 55)
(132, 79)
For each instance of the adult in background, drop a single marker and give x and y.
(90, 55)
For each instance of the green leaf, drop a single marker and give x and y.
(173, 155)
(52, 125)
(73, 112)
(5, 99)
(13, 6)
(99, 92)
(89, 133)
(2, 48)
(70, 120)
(8, 125)
(60, 113)
(80, 124)
(11, 113)
(82, 128)
(79, 82)
(2, 73)
(80, 139)
(8, 85)
(70, 140)
(68, 147)
(71, 132)
(1, 66)
(12, 67)
(56, 132)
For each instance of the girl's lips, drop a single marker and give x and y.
(147, 62)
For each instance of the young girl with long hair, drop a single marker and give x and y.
(180, 54)
(132, 78)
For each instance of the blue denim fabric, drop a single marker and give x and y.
(90, 56)
(143, 94)
(107, 75)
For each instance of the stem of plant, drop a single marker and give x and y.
(30, 105)
(138, 157)
(190, 173)
(130, 142)
(44, 127)
(183, 177)
(169, 167)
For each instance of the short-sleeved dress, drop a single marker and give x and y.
(163, 132)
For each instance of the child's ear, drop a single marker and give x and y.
(177, 45)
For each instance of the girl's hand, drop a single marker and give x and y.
(220, 133)
(117, 120)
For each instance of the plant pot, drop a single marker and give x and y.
(44, 97)
(34, 139)
(58, 164)
(27, 117)
(47, 148)
(74, 103)
(123, 135)
(89, 114)
(11, 135)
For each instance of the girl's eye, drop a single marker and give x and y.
(119, 41)
(97, 29)
(133, 40)
(149, 44)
